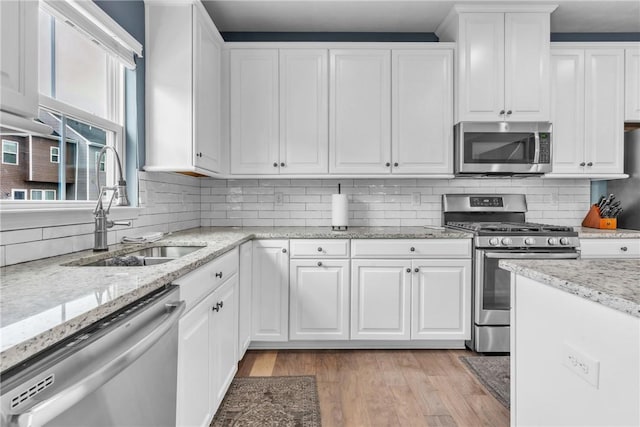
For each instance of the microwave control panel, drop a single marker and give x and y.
(545, 147)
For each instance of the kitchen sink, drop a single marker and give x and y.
(153, 255)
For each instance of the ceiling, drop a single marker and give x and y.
(424, 16)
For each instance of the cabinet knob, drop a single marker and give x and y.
(590, 164)
(501, 112)
(624, 249)
(319, 263)
(216, 307)
(412, 249)
(582, 163)
(408, 270)
(387, 164)
(199, 155)
(395, 164)
(416, 269)
(219, 275)
(221, 304)
(284, 251)
(275, 164)
(509, 112)
(282, 164)
(319, 248)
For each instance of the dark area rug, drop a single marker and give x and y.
(270, 401)
(494, 372)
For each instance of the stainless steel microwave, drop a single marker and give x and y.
(502, 148)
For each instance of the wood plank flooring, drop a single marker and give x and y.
(386, 387)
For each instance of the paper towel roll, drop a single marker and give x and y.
(339, 211)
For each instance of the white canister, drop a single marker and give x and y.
(339, 211)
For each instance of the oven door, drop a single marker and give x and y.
(492, 295)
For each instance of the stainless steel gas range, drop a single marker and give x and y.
(500, 232)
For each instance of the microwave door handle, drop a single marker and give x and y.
(534, 255)
(536, 154)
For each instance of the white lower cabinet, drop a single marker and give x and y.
(244, 298)
(441, 299)
(270, 290)
(609, 248)
(319, 299)
(380, 299)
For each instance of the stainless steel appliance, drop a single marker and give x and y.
(500, 232)
(122, 371)
(502, 148)
(628, 190)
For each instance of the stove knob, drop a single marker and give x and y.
(552, 241)
(564, 241)
(507, 241)
(494, 241)
(529, 241)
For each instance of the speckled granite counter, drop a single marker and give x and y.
(596, 233)
(614, 283)
(45, 301)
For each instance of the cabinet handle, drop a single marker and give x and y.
(416, 269)
(219, 275)
(284, 251)
(319, 263)
(319, 248)
(221, 304)
(590, 164)
(282, 164)
(509, 112)
(412, 249)
(218, 306)
(408, 270)
(387, 164)
(395, 164)
(275, 164)
(501, 113)
(582, 163)
(624, 249)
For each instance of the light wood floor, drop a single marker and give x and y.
(386, 387)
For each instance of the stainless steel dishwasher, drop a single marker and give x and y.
(121, 371)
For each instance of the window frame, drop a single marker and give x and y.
(17, 153)
(51, 155)
(15, 190)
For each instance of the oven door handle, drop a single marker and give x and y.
(536, 154)
(47, 410)
(534, 255)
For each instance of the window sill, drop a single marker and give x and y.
(33, 214)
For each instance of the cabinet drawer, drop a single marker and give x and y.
(610, 248)
(202, 281)
(312, 248)
(411, 248)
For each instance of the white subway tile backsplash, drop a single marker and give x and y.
(20, 236)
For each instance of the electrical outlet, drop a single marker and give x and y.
(581, 364)
(416, 199)
(278, 198)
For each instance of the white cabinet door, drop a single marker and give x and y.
(360, 111)
(481, 67)
(609, 248)
(270, 290)
(223, 339)
(604, 115)
(254, 111)
(441, 299)
(319, 299)
(194, 401)
(244, 298)
(422, 111)
(632, 85)
(19, 57)
(527, 45)
(567, 110)
(304, 115)
(380, 299)
(206, 94)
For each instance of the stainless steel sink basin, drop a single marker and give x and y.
(148, 256)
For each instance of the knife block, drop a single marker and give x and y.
(594, 220)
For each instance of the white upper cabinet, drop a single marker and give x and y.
(502, 62)
(632, 85)
(254, 111)
(587, 110)
(422, 111)
(360, 111)
(304, 111)
(19, 57)
(182, 89)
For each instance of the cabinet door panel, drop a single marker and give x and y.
(304, 115)
(360, 111)
(254, 111)
(481, 61)
(319, 302)
(224, 339)
(441, 299)
(527, 45)
(567, 110)
(632, 85)
(380, 297)
(604, 103)
(244, 298)
(422, 111)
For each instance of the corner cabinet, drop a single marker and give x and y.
(502, 62)
(587, 110)
(183, 75)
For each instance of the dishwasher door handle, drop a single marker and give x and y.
(47, 410)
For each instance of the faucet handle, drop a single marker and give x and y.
(123, 223)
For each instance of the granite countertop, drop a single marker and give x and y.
(45, 301)
(614, 283)
(597, 233)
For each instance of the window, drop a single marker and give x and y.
(18, 194)
(38, 194)
(9, 152)
(54, 154)
(102, 162)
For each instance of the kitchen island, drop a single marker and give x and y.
(575, 342)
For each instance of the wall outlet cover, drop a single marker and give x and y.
(581, 364)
